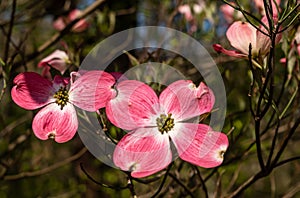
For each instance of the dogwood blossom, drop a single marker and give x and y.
(57, 119)
(58, 60)
(241, 34)
(152, 121)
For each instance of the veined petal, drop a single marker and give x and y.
(206, 149)
(52, 122)
(92, 90)
(182, 135)
(143, 155)
(134, 106)
(184, 100)
(218, 48)
(32, 91)
(240, 35)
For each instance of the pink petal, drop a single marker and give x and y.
(46, 73)
(183, 135)
(81, 25)
(32, 91)
(184, 100)
(228, 12)
(240, 35)
(134, 106)
(51, 120)
(143, 155)
(74, 14)
(218, 48)
(260, 5)
(60, 81)
(282, 60)
(186, 10)
(207, 147)
(92, 90)
(263, 41)
(59, 24)
(58, 60)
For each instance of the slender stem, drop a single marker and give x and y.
(256, 116)
(285, 142)
(181, 184)
(246, 14)
(163, 181)
(99, 183)
(202, 181)
(55, 38)
(10, 28)
(47, 169)
(273, 145)
(287, 161)
(130, 186)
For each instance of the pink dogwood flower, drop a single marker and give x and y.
(152, 121)
(241, 34)
(58, 60)
(61, 22)
(57, 119)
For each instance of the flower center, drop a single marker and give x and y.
(165, 123)
(62, 97)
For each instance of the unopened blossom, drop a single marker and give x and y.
(241, 34)
(61, 22)
(58, 60)
(57, 119)
(152, 121)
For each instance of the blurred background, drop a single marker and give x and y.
(30, 167)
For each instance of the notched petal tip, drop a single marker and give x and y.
(142, 156)
(207, 148)
(53, 123)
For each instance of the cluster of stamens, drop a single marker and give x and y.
(62, 97)
(165, 123)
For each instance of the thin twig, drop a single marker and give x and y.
(181, 184)
(204, 188)
(10, 28)
(130, 186)
(99, 183)
(163, 181)
(55, 38)
(285, 142)
(287, 161)
(47, 169)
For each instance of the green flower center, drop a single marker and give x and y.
(62, 97)
(165, 123)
